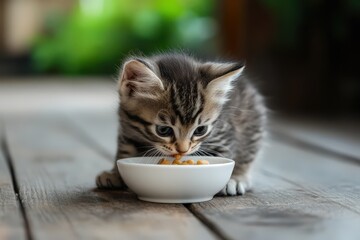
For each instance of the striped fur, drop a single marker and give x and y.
(177, 91)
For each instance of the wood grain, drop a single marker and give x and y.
(56, 175)
(340, 137)
(285, 204)
(11, 222)
(97, 130)
(278, 210)
(297, 195)
(327, 176)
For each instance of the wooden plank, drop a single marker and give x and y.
(56, 175)
(309, 206)
(278, 208)
(327, 176)
(341, 137)
(11, 222)
(98, 130)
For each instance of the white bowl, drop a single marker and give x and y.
(175, 183)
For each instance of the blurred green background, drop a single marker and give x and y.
(96, 35)
(302, 54)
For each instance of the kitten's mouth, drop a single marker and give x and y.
(168, 152)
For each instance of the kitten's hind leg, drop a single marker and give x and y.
(110, 179)
(239, 182)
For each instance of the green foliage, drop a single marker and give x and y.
(99, 33)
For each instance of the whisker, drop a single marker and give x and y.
(150, 153)
(156, 155)
(217, 145)
(214, 152)
(201, 152)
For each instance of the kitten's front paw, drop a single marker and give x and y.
(236, 186)
(110, 179)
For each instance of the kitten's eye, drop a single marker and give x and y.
(164, 131)
(199, 131)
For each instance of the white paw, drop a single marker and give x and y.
(236, 186)
(110, 179)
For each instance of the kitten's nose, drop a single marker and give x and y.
(181, 152)
(182, 147)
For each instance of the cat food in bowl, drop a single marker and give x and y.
(164, 161)
(178, 183)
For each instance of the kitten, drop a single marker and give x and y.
(174, 104)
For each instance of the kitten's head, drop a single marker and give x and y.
(171, 102)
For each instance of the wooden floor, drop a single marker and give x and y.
(55, 138)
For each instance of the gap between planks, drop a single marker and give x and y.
(199, 214)
(5, 150)
(40, 187)
(80, 133)
(212, 227)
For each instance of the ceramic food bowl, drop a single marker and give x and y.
(175, 183)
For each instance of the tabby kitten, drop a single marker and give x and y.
(174, 104)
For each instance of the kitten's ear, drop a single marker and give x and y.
(223, 75)
(137, 80)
